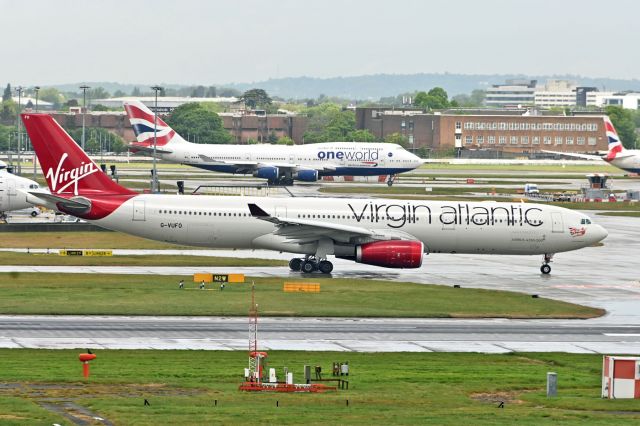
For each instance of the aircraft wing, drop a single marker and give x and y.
(308, 230)
(576, 155)
(148, 149)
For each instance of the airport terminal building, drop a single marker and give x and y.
(500, 130)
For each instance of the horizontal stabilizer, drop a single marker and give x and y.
(75, 205)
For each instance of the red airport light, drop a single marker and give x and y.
(84, 359)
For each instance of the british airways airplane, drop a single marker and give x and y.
(381, 232)
(616, 155)
(279, 164)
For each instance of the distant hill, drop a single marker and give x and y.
(373, 87)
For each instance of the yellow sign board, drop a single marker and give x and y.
(85, 252)
(291, 287)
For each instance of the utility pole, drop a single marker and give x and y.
(84, 110)
(154, 183)
(35, 158)
(19, 90)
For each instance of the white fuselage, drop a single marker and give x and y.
(629, 161)
(13, 191)
(331, 158)
(447, 226)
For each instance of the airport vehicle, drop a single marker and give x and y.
(387, 233)
(531, 189)
(279, 164)
(11, 198)
(625, 159)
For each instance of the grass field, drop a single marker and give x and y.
(10, 258)
(182, 387)
(40, 293)
(621, 213)
(77, 240)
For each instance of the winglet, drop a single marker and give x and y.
(257, 211)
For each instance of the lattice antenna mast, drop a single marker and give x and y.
(253, 337)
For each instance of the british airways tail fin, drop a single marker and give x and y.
(142, 120)
(66, 167)
(614, 143)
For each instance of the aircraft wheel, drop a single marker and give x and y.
(34, 213)
(295, 264)
(308, 267)
(389, 183)
(325, 267)
(545, 269)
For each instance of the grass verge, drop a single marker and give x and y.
(79, 240)
(384, 388)
(93, 294)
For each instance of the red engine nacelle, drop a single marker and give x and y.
(391, 254)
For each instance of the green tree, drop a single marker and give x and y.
(119, 94)
(197, 120)
(435, 98)
(97, 93)
(5, 136)
(198, 92)
(51, 94)
(622, 120)
(361, 135)
(9, 111)
(6, 95)
(285, 140)
(255, 98)
(227, 92)
(397, 138)
(329, 123)
(211, 92)
(136, 92)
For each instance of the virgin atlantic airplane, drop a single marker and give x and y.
(386, 233)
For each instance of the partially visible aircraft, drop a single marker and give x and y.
(381, 232)
(625, 159)
(279, 164)
(13, 191)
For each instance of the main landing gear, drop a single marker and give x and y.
(546, 268)
(391, 179)
(310, 264)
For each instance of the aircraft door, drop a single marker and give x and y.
(138, 210)
(556, 222)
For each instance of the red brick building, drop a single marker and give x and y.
(513, 133)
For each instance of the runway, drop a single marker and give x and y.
(313, 334)
(603, 276)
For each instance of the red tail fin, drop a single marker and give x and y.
(67, 168)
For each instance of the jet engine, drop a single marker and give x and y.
(269, 172)
(391, 254)
(306, 175)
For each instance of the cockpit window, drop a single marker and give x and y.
(34, 186)
(585, 222)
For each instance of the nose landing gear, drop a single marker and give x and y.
(546, 268)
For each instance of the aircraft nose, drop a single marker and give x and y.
(598, 233)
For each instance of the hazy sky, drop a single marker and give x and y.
(214, 42)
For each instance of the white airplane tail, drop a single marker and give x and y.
(614, 143)
(142, 120)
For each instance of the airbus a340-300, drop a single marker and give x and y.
(387, 233)
(276, 163)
